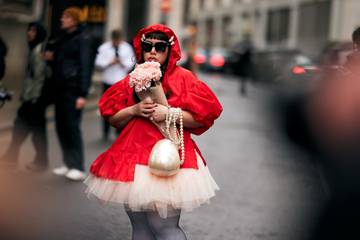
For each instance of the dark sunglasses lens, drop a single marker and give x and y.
(160, 46)
(146, 46)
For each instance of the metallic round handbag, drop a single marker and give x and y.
(164, 160)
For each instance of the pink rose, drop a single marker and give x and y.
(143, 74)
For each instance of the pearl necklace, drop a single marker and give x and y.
(172, 115)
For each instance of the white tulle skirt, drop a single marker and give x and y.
(185, 191)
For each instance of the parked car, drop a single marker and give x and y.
(199, 58)
(214, 59)
(335, 54)
(283, 66)
(333, 57)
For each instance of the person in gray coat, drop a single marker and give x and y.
(30, 119)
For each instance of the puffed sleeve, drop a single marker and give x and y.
(203, 105)
(116, 98)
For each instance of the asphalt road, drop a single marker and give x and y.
(268, 189)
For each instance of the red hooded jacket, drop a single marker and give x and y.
(134, 144)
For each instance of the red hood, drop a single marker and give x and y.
(175, 53)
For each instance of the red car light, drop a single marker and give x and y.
(298, 70)
(217, 61)
(199, 58)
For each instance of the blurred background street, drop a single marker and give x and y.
(254, 54)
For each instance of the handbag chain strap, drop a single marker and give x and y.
(172, 116)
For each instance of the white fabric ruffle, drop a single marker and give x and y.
(187, 190)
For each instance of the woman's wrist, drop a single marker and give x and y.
(132, 111)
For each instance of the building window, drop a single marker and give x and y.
(19, 3)
(209, 32)
(278, 25)
(226, 31)
(202, 4)
(186, 12)
(17, 6)
(313, 26)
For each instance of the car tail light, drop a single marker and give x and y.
(297, 70)
(217, 61)
(199, 58)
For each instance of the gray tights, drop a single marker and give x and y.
(150, 226)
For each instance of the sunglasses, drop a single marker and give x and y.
(159, 46)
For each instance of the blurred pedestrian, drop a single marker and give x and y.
(30, 117)
(191, 49)
(73, 63)
(115, 59)
(4, 94)
(329, 118)
(244, 65)
(353, 60)
(356, 39)
(3, 52)
(335, 119)
(122, 174)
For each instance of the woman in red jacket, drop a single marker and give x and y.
(121, 174)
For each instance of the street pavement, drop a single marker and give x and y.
(269, 190)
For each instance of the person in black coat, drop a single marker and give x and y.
(72, 73)
(244, 64)
(4, 94)
(3, 51)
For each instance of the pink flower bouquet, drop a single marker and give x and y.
(143, 74)
(141, 78)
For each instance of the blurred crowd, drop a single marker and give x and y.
(58, 73)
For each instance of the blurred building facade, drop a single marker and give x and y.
(304, 24)
(176, 15)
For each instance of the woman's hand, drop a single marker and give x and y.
(48, 56)
(159, 113)
(80, 103)
(144, 108)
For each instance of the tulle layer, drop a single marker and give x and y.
(185, 191)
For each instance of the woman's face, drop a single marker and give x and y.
(158, 53)
(31, 34)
